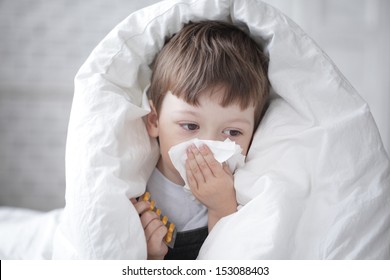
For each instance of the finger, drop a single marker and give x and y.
(151, 228)
(194, 167)
(147, 218)
(156, 241)
(142, 206)
(158, 234)
(133, 200)
(193, 184)
(202, 163)
(214, 165)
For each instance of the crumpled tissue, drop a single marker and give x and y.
(224, 151)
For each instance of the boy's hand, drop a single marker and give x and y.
(211, 183)
(154, 229)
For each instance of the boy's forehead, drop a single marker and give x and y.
(207, 104)
(203, 98)
(214, 94)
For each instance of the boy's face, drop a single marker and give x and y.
(179, 121)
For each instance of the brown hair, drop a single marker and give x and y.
(208, 54)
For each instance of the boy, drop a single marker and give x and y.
(209, 82)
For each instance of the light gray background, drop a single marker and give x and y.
(43, 43)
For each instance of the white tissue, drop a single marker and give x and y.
(224, 151)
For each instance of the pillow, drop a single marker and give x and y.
(316, 173)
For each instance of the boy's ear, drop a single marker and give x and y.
(152, 121)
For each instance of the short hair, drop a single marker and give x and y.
(209, 54)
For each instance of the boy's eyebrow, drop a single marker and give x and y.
(186, 112)
(241, 120)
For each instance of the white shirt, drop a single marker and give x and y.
(177, 204)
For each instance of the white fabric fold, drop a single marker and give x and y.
(316, 180)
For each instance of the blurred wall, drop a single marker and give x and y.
(356, 36)
(43, 43)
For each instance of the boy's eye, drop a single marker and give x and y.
(232, 132)
(190, 126)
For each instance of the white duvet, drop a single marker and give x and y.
(316, 184)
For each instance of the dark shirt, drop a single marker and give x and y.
(187, 244)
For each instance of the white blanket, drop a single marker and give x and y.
(316, 184)
(27, 234)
